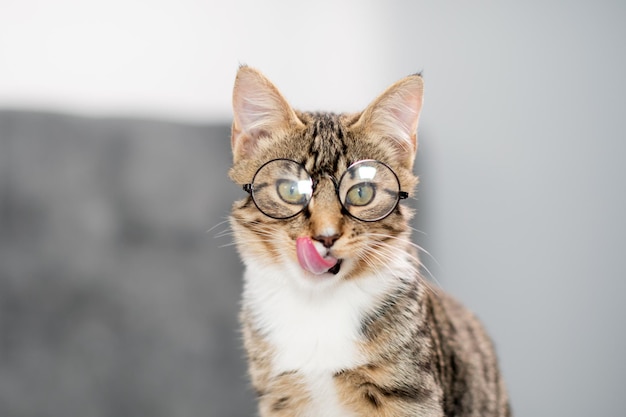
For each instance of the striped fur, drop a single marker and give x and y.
(373, 339)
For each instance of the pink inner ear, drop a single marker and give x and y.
(247, 145)
(310, 259)
(393, 117)
(258, 109)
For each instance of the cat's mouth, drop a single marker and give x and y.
(335, 269)
(311, 260)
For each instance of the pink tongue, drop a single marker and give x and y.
(310, 258)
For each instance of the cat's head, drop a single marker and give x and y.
(324, 190)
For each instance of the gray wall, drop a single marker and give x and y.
(523, 182)
(114, 298)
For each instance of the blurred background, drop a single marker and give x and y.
(119, 287)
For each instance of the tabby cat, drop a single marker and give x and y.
(337, 320)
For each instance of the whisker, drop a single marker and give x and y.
(227, 245)
(421, 232)
(217, 225)
(224, 233)
(409, 242)
(383, 246)
(376, 259)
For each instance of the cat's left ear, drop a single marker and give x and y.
(394, 116)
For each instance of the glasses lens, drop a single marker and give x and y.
(369, 190)
(281, 188)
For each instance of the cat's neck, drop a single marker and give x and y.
(316, 328)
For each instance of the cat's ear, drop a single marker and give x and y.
(259, 110)
(394, 115)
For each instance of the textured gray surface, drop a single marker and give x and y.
(114, 299)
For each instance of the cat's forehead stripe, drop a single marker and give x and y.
(326, 137)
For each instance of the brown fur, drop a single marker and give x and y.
(422, 353)
(445, 360)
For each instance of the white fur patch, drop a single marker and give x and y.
(312, 329)
(314, 323)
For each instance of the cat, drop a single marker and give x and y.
(336, 318)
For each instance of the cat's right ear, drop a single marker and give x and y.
(259, 110)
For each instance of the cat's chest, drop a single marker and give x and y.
(310, 331)
(313, 337)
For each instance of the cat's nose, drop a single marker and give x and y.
(327, 241)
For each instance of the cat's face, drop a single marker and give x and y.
(311, 211)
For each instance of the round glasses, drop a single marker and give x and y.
(369, 190)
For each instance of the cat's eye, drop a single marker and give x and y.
(360, 194)
(293, 192)
(369, 190)
(281, 188)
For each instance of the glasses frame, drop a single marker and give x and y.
(402, 195)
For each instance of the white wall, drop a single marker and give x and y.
(178, 58)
